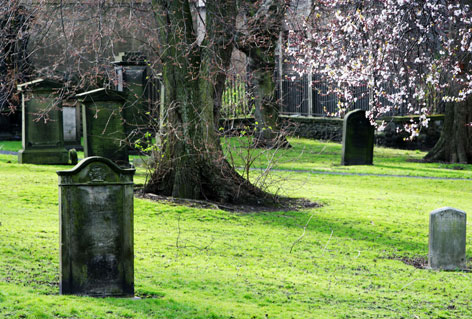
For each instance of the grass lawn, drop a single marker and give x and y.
(201, 263)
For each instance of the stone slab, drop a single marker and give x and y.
(96, 229)
(358, 139)
(447, 238)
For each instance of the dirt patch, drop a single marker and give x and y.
(420, 262)
(282, 204)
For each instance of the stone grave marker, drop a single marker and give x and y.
(96, 229)
(447, 236)
(71, 119)
(103, 129)
(42, 126)
(358, 139)
(134, 79)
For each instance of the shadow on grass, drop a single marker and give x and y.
(354, 230)
(159, 308)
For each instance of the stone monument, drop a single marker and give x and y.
(133, 78)
(42, 127)
(447, 236)
(71, 119)
(96, 229)
(358, 139)
(103, 129)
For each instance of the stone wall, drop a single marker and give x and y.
(427, 138)
(319, 128)
(323, 128)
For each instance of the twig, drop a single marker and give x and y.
(325, 246)
(409, 284)
(178, 233)
(329, 239)
(303, 234)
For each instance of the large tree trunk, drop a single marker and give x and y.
(259, 44)
(268, 134)
(192, 164)
(455, 142)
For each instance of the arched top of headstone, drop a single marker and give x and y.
(96, 170)
(101, 94)
(40, 84)
(448, 210)
(357, 113)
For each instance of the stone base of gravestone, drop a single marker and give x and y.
(447, 237)
(47, 156)
(96, 227)
(358, 139)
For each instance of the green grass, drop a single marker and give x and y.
(324, 156)
(200, 263)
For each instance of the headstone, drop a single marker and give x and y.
(42, 126)
(358, 139)
(134, 79)
(103, 129)
(96, 229)
(447, 236)
(71, 121)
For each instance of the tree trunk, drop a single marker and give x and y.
(259, 44)
(455, 142)
(191, 163)
(266, 107)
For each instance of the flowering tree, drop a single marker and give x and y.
(410, 54)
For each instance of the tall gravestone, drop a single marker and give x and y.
(42, 126)
(134, 79)
(358, 139)
(103, 129)
(96, 229)
(447, 236)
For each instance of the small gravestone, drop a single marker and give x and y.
(96, 229)
(447, 239)
(358, 139)
(103, 129)
(71, 119)
(42, 126)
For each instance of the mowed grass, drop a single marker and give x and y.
(324, 156)
(201, 263)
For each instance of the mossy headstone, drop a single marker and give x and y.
(103, 129)
(42, 126)
(358, 139)
(447, 237)
(96, 229)
(134, 79)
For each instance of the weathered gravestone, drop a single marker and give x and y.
(42, 126)
(103, 129)
(71, 121)
(133, 78)
(358, 139)
(96, 227)
(447, 235)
